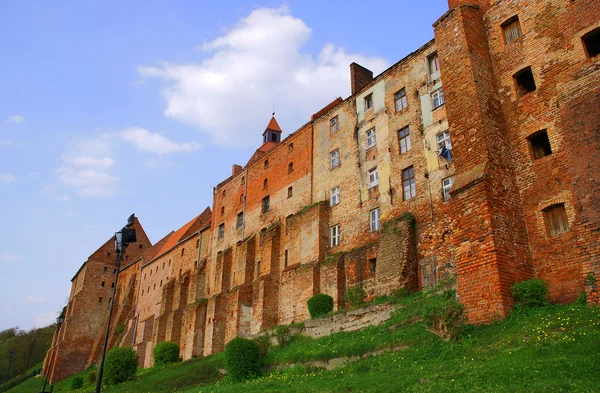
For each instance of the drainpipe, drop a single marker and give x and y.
(244, 208)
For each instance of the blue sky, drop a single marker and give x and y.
(114, 107)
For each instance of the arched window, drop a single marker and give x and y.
(290, 167)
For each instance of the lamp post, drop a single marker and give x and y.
(8, 370)
(59, 321)
(122, 239)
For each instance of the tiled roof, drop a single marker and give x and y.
(261, 151)
(273, 125)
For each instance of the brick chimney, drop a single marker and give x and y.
(235, 169)
(359, 77)
(484, 4)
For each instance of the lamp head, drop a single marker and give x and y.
(130, 220)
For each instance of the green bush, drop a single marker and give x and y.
(444, 316)
(320, 304)
(119, 329)
(355, 296)
(166, 352)
(92, 376)
(120, 365)
(400, 293)
(264, 343)
(283, 335)
(530, 292)
(76, 383)
(242, 359)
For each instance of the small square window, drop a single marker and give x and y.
(220, 233)
(371, 138)
(334, 159)
(375, 219)
(333, 125)
(369, 102)
(404, 138)
(408, 183)
(540, 144)
(511, 29)
(266, 204)
(446, 187)
(437, 97)
(400, 100)
(373, 177)
(334, 236)
(290, 192)
(591, 41)
(556, 219)
(239, 222)
(334, 196)
(524, 81)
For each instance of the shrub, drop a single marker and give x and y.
(92, 376)
(264, 343)
(320, 304)
(582, 299)
(355, 296)
(400, 293)
(166, 352)
(443, 316)
(242, 359)
(120, 365)
(76, 383)
(283, 335)
(530, 292)
(119, 329)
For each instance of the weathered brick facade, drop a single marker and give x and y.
(371, 192)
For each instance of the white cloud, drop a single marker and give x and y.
(89, 182)
(44, 319)
(15, 119)
(51, 192)
(10, 258)
(154, 143)
(33, 299)
(256, 64)
(85, 161)
(158, 162)
(6, 178)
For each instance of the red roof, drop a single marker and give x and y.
(273, 126)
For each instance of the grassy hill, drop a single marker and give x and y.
(548, 349)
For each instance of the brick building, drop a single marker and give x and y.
(471, 158)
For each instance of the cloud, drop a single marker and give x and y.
(44, 319)
(15, 119)
(83, 161)
(33, 299)
(154, 143)
(10, 258)
(6, 178)
(258, 63)
(51, 192)
(89, 182)
(5, 143)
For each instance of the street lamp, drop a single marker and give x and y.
(59, 321)
(122, 239)
(8, 371)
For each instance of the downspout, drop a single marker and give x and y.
(244, 208)
(137, 299)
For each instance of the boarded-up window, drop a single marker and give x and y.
(428, 272)
(512, 29)
(556, 219)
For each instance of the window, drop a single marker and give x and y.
(591, 42)
(524, 81)
(540, 144)
(221, 231)
(375, 219)
(243, 180)
(290, 192)
(372, 265)
(112, 285)
(266, 204)
(102, 284)
(408, 183)
(182, 252)
(100, 299)
(446, 187)
(266, 163)
(556, 219)
(334, 196)
(197, 246)
(334, 236)
(285, 259)
(371, 138)
(443, 141)
(290, 167)
(438, 98)
(369, 102)
(105, 269)
(404, 138)
(239, 222)
(223, 193)
(333, 125)
(334, 159)
(265, 183)
(400, 100)
(433, 64)
(512, 29)
(161, 280)
(373, 177)
(222, 210)
(290, 147)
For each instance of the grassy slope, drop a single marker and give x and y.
(550, 349)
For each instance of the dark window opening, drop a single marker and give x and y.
(99, 300)
(524, 81)
(290, 192)
(140, 247)
(102, 284)
(265, 183)
(221, 231)
(222, 210)
(239, 220)
(105, 269)
(112, 285)
(290, 167)
(540, 144)
(266, 204)
(291, 147)
(556, 219)
(182, 251)
(273, 138)
(266, 163)
(285, 259)
(372, 265)
(591, 41)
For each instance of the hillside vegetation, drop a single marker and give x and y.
(553, 348)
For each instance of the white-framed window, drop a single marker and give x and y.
(371, 138)
(373, 177)
(369, 102)
(334, 196)
(437, 97)
(443, 140)
(221, 231)
(334, 236)
(446, 187)
(334, 159)
(408, 183)
(333, 125)
(433, 63)
(400, 100)
(375, 219)
(404, 139)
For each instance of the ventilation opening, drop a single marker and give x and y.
(591, 41)
(524, 81)
(540, 144)
(556, 219)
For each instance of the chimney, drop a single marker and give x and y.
(359, 77)
(235, 169)
(484, 4)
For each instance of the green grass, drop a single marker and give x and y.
(549, 349)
